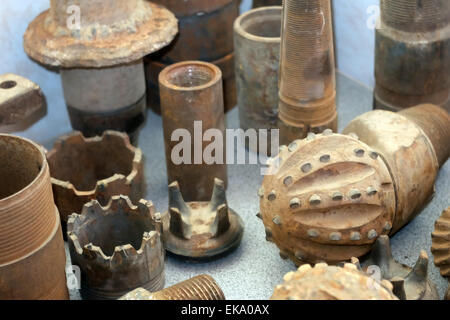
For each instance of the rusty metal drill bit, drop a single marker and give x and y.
(307, 70)
(441, 243)
(201, 229)
(202, 287)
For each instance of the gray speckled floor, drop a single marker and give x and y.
(252, 271)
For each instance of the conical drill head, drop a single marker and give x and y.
(441, 243)
(201, 229)
(409, 283)
(327, 198)
(323, 282)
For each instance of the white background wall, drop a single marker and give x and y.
(354, 47)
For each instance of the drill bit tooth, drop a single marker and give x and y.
(176, 199)
(218, 198)
(149, 239)
(177, 224)
(121, 254)
(419, 273)
(221, 222)
(381, 255)
(398, 284)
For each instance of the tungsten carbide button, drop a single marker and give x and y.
(409, 283)
(294, 203)
(202, 229)
(277, 220)
(371, 191)
(355, 236)
(372, 234)
(323, 282)
(325, 158)
(306, 167)
(101, 63)
(337, 196)
(335, 236)
(312, 233)
(354, 194)
(202, 287)
(315, 200)
(117, 247)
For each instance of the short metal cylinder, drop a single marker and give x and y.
(192, 91)
(32, 256)
(265, 3)
(257, 50)
(412, 54)
(106, 99)
(307, 70)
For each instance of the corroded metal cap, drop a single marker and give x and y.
(202, 287)
(329, 198)
(22, 103)
(441, 243)
(118, 247)
(323, 282)
(110, 32)
(84, 169)
(201, 229)
(409, 283)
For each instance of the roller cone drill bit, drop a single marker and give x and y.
(330, 196)
(409, 283)
(201, 229)
(324, 282)
(118, 248)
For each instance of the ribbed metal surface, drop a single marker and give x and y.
(415, 15)
(198, 288)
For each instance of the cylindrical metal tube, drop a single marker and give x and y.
(191, 92)
(206, 35)
(109, 98)
(307, 70)
(202, 287)
(30, 229)
(265, 3)
(257, 50)
(412, 54)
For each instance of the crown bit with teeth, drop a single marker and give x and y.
(118, 248)
(409, 283)
(201, 229)
(330, 196)
(324, 282)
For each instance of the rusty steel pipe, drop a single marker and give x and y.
(266, 3)
(192, 91)
(202, 287)
(353, 187)
(257, 50)
(307, 70)
(206, 35)
(32, 256)
(412, 54)
(100, 59)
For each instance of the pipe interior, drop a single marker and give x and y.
(20, 164)
(266, 24)
(189, 76)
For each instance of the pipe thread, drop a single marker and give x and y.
(198, 288)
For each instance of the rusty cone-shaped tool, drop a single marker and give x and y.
(118, 248)
(192, 102)
(266, 3)
(22, 103)
(99, 53)
(201, 229)
(409, 283)
(323, 282)
(206, 35)
(412, 54)
(307, 71)
(257, 48)
(32, 257)
(84, 169)
(202, 287)
(441, 243)
(330, 196)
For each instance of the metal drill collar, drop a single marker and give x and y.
(324, 282)
(328, 198)
(409, 283)
(201, 229)
(117, 247)
(111, 32)
(98, 168)
(441, 243)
